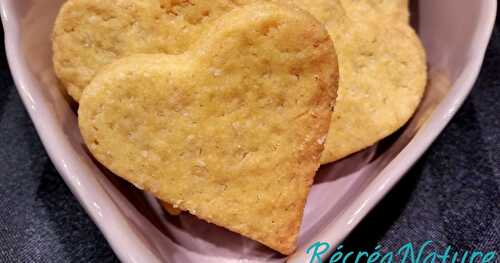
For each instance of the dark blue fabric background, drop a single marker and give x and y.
(451, 196)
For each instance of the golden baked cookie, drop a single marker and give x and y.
(378, 10)
(323, 10)
(231, 130)
(90, 34)
(382, 67)
(383, 76)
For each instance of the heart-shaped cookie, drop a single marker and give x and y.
(231, 130)
(330, 11)
(383, 76)
(382, 67)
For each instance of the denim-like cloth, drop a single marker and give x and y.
(452, 196)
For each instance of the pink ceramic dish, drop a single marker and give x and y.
(455, 34)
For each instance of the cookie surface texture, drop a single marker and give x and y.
(394, 11)
(90, 34)
(231, 130)
(383, 75)
(383, 72)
